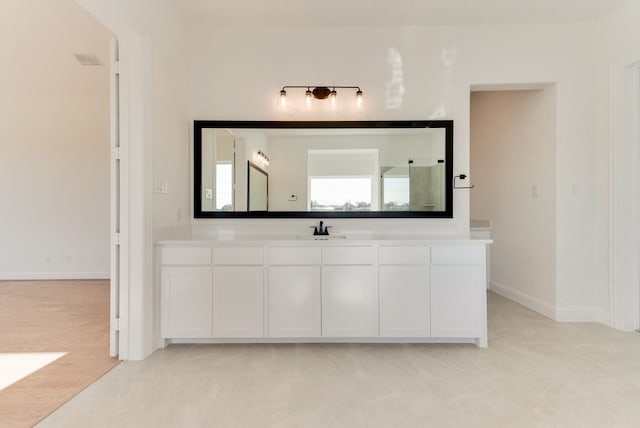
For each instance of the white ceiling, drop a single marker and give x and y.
(390, 12)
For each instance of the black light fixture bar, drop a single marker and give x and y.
(320, 92)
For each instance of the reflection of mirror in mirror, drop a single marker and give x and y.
(338, 171)
(257, 188)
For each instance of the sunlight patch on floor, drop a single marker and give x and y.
(16, 366)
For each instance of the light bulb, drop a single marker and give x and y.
(308, 96)
(283, 98)
(359, 98)
(332, 97)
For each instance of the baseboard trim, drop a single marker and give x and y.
(42, 276)
(533, 303)
(580, 314)
(558, 313)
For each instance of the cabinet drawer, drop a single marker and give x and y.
(294, 256)
(404, 255)
(238, 256)
(458, 255)
(185, 255)
(348, 255)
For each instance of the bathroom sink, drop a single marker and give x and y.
(321, 237)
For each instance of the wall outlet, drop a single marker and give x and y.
(160, 186)
(208, 193)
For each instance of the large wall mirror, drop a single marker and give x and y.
(323, 169)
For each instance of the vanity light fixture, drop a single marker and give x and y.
(320, 93)
(264, 159)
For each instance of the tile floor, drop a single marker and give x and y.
(535, 373)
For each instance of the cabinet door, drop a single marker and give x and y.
(186, 294)
(458, 297)
(404, 301)
(238, 301)
(349, 301)
(294, 301)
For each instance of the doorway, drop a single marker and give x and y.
(54, 174)
(513, 143)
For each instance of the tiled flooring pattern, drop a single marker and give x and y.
(53, 316)
(535, 373)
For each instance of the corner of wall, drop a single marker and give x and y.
(544, 308)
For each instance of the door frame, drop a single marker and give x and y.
(624, 203)
(135, 295)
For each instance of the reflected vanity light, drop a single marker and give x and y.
(261, 158)
(320, 93)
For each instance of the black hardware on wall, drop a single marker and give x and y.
(461, 177)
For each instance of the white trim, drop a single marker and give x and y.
(545, 308)
(124, 107)
(42, 276)
(458, 340)
(561, 314)
(624, 252)
(613, 202)
(136, 303)
(579, 314)
(115, 176)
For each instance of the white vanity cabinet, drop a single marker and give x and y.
(349, 297)
(458, 292)
(186, 292)
(238, 292)
(321, 291)
(294, 292)
(403, 283)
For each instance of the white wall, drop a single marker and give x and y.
(439, 66)
(54, 182)
(170, 124)
(617, 169)
(513, 154)
(54, 136)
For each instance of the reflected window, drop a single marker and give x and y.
(224, 186)
(340, 193)
(343, 179)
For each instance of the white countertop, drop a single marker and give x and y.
(480, 225)
(331, 240)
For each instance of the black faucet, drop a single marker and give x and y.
(321, 229)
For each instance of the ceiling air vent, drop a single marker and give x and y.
(87, 59)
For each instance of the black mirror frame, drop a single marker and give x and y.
(198, 125)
